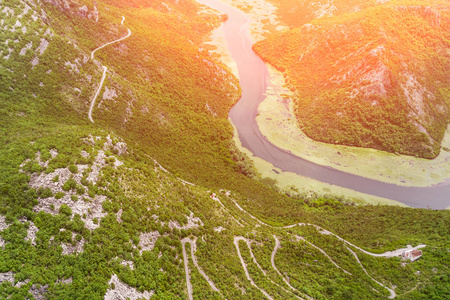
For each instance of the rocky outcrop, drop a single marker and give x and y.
(120, 290)
(73, 7)
(61, 4)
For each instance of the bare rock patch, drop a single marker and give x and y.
(123, 291)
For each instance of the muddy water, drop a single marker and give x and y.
(254, 81)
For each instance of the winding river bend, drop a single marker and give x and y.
(254, 81)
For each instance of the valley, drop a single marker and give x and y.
(254, 76)
(120, 175)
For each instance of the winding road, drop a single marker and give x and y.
(91, 108)
(254, 79)
(388, 254)
(244, 266)
(272, 261)
(256, 222)
(194, 260)
(314, 246)
(186, 268)
(392, 295)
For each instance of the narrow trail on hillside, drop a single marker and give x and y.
(193, 244)
(186, 269)
(323, 252)
(215, 198)
(392, 296)
(272, 260)
(104, 70)
(244, 266)
(397, 252)
(158, 165)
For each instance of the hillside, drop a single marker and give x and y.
(297, 13)
(374, 78)
(152, 199)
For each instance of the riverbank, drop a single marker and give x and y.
(262, 17)
(216, 44)
(292, 182)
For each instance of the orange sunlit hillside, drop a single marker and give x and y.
(133, 164)
(375, 78)
(296, 13)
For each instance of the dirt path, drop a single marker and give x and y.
(193, 244)
(186, 268)
(262, 270)
(115, 41)
(244, 266)
(272, 260)
(96, 93)
(392, 296)
(104, 70)
(253, 256)
(215, 198)
(157, 164)
(323, 252)
(397, 252)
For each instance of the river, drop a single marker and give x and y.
(254, 78)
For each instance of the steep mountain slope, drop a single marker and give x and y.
(297, 13)
(375, 78)
(86, 212)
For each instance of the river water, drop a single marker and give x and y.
(254, 79)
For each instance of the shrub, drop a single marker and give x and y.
(80, 190)
(73, 168)
(84, 181)
(91, 193)
(66, 210)
(59, 195)
(35, 168)
(70, 184)
(47, 192)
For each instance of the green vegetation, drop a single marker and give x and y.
(132, 214)
(374, 78)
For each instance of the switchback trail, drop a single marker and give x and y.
(237, 239)
(186, 269)
(392, 296)
(194, 260)
(244, 266)
(397, 252)
(104, 70)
